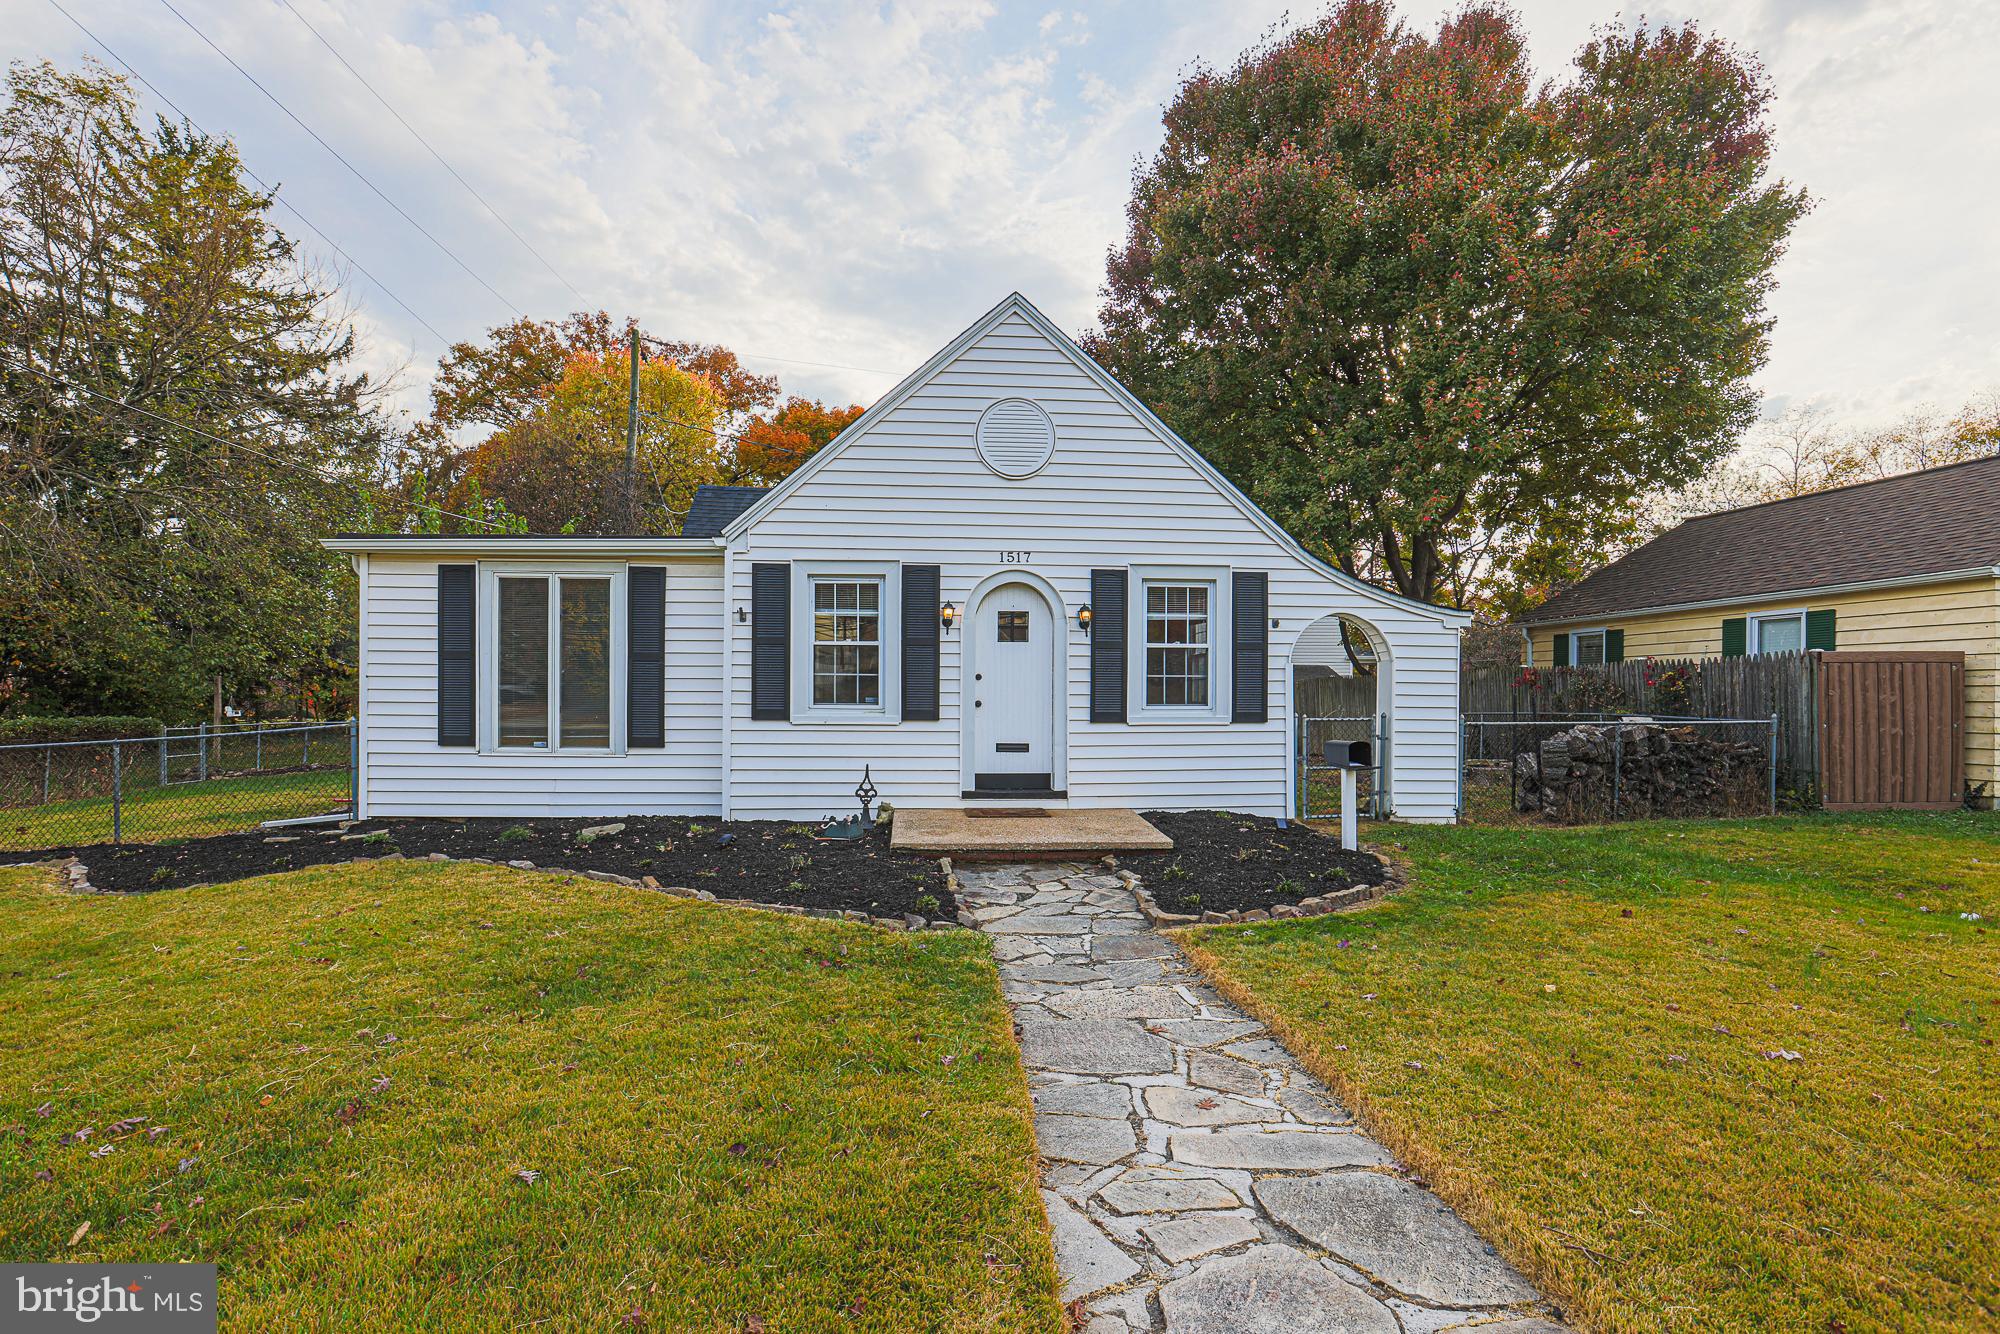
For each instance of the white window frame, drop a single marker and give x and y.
(1138, 711)
(889, 623)
(490, 574)
(1753, 630)
(1603, 645)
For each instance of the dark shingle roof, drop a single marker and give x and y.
(1931, 522)
(714, 508)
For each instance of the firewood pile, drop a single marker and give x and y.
(1633, 770)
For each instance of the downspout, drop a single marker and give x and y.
(728, 677)
(359, 758)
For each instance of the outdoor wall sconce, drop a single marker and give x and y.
(1083, 618)
(947, 614)
(742, 616)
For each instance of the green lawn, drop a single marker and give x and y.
(443, 1097)
(159, 814)
(1577, 1036)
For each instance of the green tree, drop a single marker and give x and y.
(145, 300)
(1431, 313)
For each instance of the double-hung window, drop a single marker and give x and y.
(557, 663)
(847, 642)
(1778, 632)
(1177, 644)
(1587, 648)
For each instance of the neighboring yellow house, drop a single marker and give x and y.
(1909, 562)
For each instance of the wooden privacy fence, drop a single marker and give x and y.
(1855, 730)
(1892, 730)
(1778, 684)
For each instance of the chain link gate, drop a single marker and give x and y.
(1319, 783)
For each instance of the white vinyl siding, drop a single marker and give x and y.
(406, 773)
(1113, 494)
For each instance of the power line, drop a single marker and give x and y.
(262, 184)
(356, 171)
(164, 420)
(790, 361)
(348, 66)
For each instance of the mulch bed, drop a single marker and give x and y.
(1233, 863)
(764, 860)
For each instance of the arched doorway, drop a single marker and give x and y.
(1340, 692)
(1017, 656)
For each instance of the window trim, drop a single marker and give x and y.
(1603, 633)
(1753, 629)
(1220, 622)
(488, 679)
(889, 624)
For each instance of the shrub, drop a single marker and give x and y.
(14, 731)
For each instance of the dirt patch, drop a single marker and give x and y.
(1233, 863)
(764, 860)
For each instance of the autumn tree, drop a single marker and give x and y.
(177, 424)
(560, 468)
(772, 446)
(1436, 316)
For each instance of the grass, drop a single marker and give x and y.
(445, 1097)
(1568, 1032)
(160, 814)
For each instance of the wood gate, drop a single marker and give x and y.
(1891, 730)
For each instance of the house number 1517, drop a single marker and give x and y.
(1014, 557)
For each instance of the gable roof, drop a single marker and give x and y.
(1920, 525)
(1016, 304)
(714, 508)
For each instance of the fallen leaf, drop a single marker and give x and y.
(528, 1175)
(77, 1235)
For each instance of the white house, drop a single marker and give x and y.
(1008, 580)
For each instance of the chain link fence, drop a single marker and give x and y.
(184, 782)
(1595, 768)
(1319, 782)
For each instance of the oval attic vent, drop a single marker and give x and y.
(1016, 438)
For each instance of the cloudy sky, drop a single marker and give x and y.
(835, 187)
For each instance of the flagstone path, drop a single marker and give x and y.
(1197, 1180)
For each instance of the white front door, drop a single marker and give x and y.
(1012, 727)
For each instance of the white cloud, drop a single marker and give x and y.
(850, 182)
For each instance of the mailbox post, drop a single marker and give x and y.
(1350, 758)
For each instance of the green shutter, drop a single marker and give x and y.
(1819, 630)
(1561, 651)
(1614, 646)
(1735, 637)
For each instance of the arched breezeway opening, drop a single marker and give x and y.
(1340, 692)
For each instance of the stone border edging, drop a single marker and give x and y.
(79, 883)
(1319, 905)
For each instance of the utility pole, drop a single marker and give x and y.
(632, 439)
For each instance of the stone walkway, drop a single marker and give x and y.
(1198, 1181)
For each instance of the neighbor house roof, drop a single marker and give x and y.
(714, 507)
(1920, 525)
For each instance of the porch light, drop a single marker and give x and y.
(1083, 618)
(742, 616)
(947, 614)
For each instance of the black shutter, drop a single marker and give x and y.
(1735, 636)
(770, 639)
(1614, 646)
(1820, 629)
(1107, 646)
(646, 657)
(1559, 649)
(457, 618)
(921, 587)
(1250, 640)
